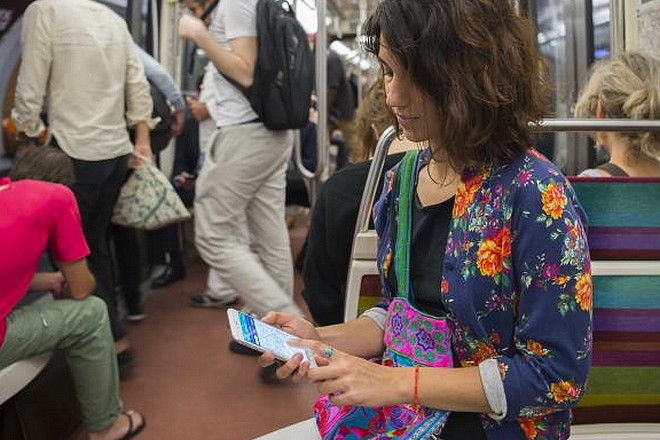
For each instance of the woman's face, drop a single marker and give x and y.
(415, 111)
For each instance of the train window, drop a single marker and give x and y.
(601, 29)
(571, 34)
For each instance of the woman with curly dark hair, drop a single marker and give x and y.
(485, 326)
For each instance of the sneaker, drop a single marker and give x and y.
(135, 314)
(135, 317)
(202, 300)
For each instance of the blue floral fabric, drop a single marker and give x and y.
(516, 285)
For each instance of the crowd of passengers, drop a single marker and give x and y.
(481, 238)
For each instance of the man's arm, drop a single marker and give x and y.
(34, 71)
(237, 64)
(160, 78)
(139, 105)
(80, 282)
(47, 281)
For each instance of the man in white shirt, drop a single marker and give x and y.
(79, 58)
(243, 180)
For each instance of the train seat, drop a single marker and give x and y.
(14, 377)
(623, 395)
(624, 241)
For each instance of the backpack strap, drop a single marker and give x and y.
(612, 169)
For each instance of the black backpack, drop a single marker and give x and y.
(284, 74)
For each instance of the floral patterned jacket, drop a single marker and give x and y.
(517, 287)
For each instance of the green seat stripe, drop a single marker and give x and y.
(626, 292)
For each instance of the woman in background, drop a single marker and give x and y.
(626, 86)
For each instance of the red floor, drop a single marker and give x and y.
(187, 382)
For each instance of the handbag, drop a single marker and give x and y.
(147, 200)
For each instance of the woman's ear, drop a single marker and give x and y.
(600, 111)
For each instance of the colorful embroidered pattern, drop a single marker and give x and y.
(411, 338)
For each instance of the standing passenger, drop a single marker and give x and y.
(242, 182)
(79, 57)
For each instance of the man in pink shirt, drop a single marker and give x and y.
(38, 216)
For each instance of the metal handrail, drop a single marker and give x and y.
(545, 125)
(591, 125)
(375, 170)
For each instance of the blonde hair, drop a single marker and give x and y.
(372, 114)
(627, 86)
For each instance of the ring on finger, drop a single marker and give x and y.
(328, 352)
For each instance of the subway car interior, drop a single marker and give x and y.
(184, 372)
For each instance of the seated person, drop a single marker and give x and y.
(485, 327)
(39, 216)
(626, 86)
(328, 245)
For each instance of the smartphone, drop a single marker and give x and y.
(251, 332)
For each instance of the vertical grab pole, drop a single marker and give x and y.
(321, 94)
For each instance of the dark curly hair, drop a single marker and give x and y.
(479, 63)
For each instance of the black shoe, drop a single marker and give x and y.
(237, 348)
(169, 276)
(125, 362)
(269, 374)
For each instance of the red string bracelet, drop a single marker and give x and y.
(415, 395)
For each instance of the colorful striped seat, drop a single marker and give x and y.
(624, 216)
(624, 224)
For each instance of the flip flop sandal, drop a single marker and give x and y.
(133, 431)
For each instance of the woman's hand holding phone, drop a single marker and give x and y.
(294, 367)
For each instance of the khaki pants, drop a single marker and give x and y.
(82, 330)
(239, 216)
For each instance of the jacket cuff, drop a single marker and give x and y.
(494, 389)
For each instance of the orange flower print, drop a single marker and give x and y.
(489, 258)
(536, 347)
(504, 369)
(553, 200)
(387, 263)
(503, 239)
(528, 426)
(484, 351)
(564, 391)
(465, 194)
(444, 286)
(492, 252)
(583, 291)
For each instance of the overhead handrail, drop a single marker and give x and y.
(590, 125)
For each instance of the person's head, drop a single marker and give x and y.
(197, 7)
(371, 119)
(466, 75)
(625, 86)
(43, 163)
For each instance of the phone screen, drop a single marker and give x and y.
(262, 336)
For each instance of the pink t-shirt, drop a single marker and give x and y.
(34, 215)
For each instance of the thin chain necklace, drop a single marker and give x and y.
(444, 182)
